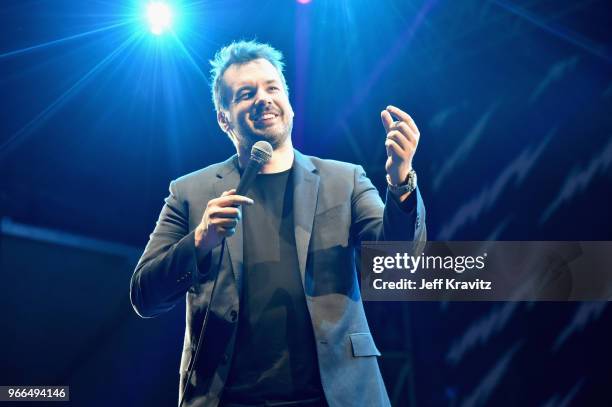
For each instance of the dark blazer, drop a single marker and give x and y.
(335, 208)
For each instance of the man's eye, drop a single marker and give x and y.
(244, 95)
(274, 88)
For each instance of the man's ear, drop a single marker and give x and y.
(223, 121)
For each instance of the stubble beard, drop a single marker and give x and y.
(276, 137)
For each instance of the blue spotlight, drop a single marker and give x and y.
(159, 16)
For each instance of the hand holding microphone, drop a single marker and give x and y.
(222, 214)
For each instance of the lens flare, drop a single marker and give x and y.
(159, 16)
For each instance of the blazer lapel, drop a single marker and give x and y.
(228, 178)
(305, 194)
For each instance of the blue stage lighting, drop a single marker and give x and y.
(159, 16)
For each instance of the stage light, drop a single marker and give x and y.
(159, 16)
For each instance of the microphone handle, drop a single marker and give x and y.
(248, 176)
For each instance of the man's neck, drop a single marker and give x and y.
(281, 160)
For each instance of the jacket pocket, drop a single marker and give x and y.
(363, 345)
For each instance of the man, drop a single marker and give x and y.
(286, 324)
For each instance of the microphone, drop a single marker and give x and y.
(261, 152)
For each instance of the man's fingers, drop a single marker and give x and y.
(224, 222)
(403, 116)
(225, 212)
(406, 132)
(399, 113)
(402, 141)
(393, 148)
(233, 200)
(387, 120)
(228, 198)
(227, 231)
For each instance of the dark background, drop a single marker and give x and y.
(513, 100)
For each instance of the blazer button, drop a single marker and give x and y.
(233, 315)
(224, 358)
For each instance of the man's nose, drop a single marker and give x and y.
(262, 98)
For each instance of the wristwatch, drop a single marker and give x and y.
(407, 186)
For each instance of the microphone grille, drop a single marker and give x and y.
(261, 152)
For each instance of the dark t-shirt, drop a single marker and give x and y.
(275, 354)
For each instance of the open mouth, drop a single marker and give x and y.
(265, 118)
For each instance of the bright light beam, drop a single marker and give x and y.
(159, 16)
(190, 57)
(61, 40)
(20, 136)
(557, 31)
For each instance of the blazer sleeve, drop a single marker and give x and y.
(168, 266)
(393, 221)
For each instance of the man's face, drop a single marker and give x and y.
(257, 106)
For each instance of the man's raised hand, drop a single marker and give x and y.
(401, 143)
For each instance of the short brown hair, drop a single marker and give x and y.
(241, 52)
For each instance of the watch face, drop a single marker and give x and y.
(412, 180)
(409, 186)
